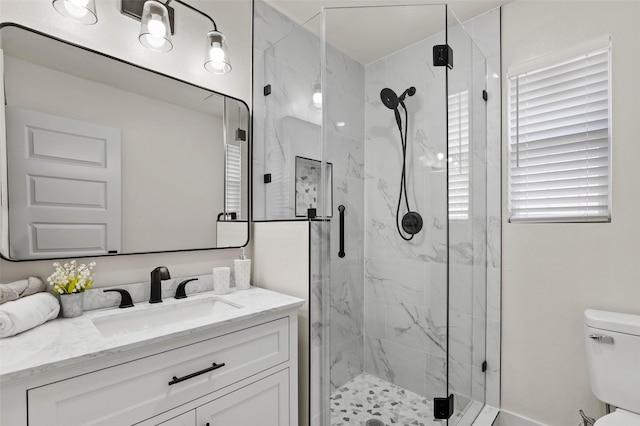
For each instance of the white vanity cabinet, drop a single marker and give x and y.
(242, 373)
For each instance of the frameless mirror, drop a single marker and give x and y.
(104, 157)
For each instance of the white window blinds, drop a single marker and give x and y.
(458, 161)
(233, 180)
(559, 141)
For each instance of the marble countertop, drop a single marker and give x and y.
(67, 341)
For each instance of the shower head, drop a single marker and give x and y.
(389, 98)
(410, 91)
(391, 101)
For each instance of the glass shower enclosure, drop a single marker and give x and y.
(400, 303)
(370, 124)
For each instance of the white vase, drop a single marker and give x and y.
(72, 304)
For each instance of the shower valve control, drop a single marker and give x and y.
(412, 223)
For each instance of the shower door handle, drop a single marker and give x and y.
(341, 210)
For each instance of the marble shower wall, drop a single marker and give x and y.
(405, 281)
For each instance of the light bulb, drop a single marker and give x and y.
(440, 156)
(317, 98)
(156, 26)
(216, 54)
(76, 8)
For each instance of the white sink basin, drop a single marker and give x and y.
(160, 315)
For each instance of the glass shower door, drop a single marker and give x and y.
(467, 223)
(384, 131)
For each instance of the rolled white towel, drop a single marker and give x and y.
(28, 312)
(22, 288)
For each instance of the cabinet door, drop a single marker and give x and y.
(186, 419)
(264, 403)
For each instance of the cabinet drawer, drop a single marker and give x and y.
(136, 390)
(264, 403)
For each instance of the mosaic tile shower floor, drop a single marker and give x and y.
(368, 397)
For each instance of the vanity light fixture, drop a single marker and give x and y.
(155, 30)
(83, 11)
(158, 26)
(217, 53)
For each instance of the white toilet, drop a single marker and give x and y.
(613, 356)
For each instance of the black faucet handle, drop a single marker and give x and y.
(163, 272)
(125, 297)
(181, 292)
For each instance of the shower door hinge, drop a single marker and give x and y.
(484, 366)
(266, 90)
(442, 56)
(485, 95)
(443, 407)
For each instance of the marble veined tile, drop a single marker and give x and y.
(395, 280)
(347, 321)
(414, 327)
(347, 362)
(400, 365)
(346, 280)
(269, 25)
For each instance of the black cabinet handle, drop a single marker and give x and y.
(341, 210)
(197, 373)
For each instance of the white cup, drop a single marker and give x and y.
(221, 280)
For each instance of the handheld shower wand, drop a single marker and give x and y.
(411, 221)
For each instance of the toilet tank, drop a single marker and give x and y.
(613, 357)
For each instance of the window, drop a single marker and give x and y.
(559, 141)
(233, 180)
(458, 167)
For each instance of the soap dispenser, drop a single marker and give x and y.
(242, 271)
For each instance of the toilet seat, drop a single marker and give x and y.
(619, 418)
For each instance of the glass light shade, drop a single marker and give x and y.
(217, 54)
(83, 11)
(155, 30)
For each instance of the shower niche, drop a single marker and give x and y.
(404, 283)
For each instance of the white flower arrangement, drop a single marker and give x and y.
(68, 278)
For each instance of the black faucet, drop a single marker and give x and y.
(157, 275)
(125, 297)
(181, 292)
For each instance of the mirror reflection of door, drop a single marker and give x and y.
(64, 186)
(175, 137)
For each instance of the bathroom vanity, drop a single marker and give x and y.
(232, 361)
